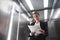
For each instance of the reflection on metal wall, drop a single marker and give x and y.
(12, 32)
(9, 13)
(53, 27)
(4, 18)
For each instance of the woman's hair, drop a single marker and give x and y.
(35, 13)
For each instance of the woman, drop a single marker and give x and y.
(43, 31)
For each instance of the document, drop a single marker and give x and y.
(35, 29)
(32, 28)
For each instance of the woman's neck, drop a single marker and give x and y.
(37, 21)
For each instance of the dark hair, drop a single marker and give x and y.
(36, 12)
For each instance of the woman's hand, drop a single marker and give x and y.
(41, 31)
(32, 33)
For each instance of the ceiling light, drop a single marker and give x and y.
(29, 4)
(45, 11)
(45, 14)
(45, 3)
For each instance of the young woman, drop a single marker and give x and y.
(43, 31)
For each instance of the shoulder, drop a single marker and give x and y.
(42, 22)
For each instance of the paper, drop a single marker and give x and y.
(34, 29)
(37, 33)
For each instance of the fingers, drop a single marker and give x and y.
(32, 33)
(42, 31)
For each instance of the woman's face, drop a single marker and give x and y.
(36, 17)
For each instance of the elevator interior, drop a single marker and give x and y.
(16, 14)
